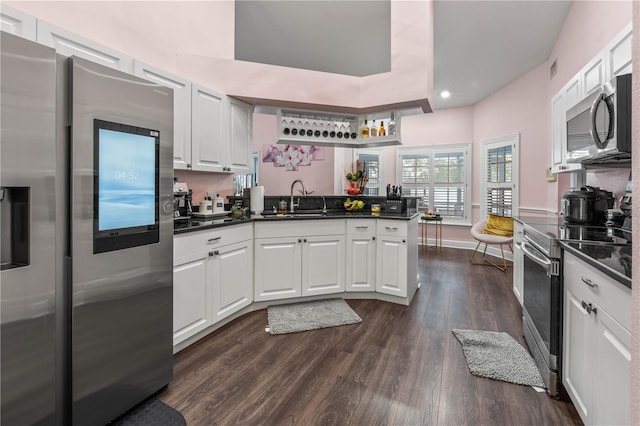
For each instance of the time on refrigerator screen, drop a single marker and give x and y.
(126, 181)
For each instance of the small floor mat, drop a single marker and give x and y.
(151, 412)
(303, 316)
(498, 356)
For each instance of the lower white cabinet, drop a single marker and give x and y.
(597, 341)
(212, 278)
(361, 255)
(299, 259)
(518, 261)
(397, 257)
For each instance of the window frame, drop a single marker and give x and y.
(503, 141)
(431, 151)
(380, 153)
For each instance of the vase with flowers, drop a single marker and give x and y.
(357, 178)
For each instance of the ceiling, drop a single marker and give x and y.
(479, 46)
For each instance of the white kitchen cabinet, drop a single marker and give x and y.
(209, 147)
(302, 258)
(566, 98)
(212, 277)
(618, 54)
(592, 76)
(596, 347)
(396, 257)
(361, 255)
(192, 292)
(278, 267)
(323, 264)
(241, 135)
(518, 261)
(18, 23)
(70, 44)
(233, 277)
(181, 110)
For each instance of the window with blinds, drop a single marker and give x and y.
(440, 177)
(372, 159)
(500, 163)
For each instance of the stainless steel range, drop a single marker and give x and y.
(543, 290)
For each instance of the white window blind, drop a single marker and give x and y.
(372, 159)
(500, 176)
(440, 175)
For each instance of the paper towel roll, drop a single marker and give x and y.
(256, 197)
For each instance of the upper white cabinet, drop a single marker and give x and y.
(221, 132)
(181, 110)
(596, 345)
(614, 60)
(69, 44)
(592, 76)
(18, 23)
(209, 147)
(240, 136)
(618, 54)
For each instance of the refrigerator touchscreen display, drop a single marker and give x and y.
(126, 186)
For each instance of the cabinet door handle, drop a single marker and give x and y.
(305, 240)
(213, 240)
(299, 240)
(216, 252)
(373, 238)
(362, 227)
(589, 308)
(404, 241)
(391, 228)
(210, 253)
(588, 282)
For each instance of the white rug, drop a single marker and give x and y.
(498, 356)
(303, 316)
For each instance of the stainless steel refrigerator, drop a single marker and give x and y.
(87, 238)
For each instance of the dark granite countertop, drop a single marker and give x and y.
(612, 260)
(194, 224)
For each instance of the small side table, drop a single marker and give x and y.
(437, 221)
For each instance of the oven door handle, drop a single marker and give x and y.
(540, 260)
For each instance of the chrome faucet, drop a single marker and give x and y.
(304, 192)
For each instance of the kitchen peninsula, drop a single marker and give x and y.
(225, 268)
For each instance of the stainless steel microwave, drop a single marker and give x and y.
(599, 126)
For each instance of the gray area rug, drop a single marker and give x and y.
(303, 316)
(498, 356)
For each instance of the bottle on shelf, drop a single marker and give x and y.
(392, 126)
(381, 130)
(364, 132)
(373, 131)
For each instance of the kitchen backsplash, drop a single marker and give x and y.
(202, 182)
(614, 180)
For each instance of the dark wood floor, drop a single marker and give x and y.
(400, 366)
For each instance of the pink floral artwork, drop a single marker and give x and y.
(291, 156)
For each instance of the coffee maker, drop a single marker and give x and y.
(182, 201)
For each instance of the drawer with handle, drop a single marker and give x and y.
(391, 227)
(594, 289)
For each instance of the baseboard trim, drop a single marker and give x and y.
(492, 250)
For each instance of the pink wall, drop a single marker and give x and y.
(195, 39)
(521, 107)
(317, 177)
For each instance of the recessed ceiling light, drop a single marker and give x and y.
(445, 94)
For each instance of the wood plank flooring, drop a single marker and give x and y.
(400, 366)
